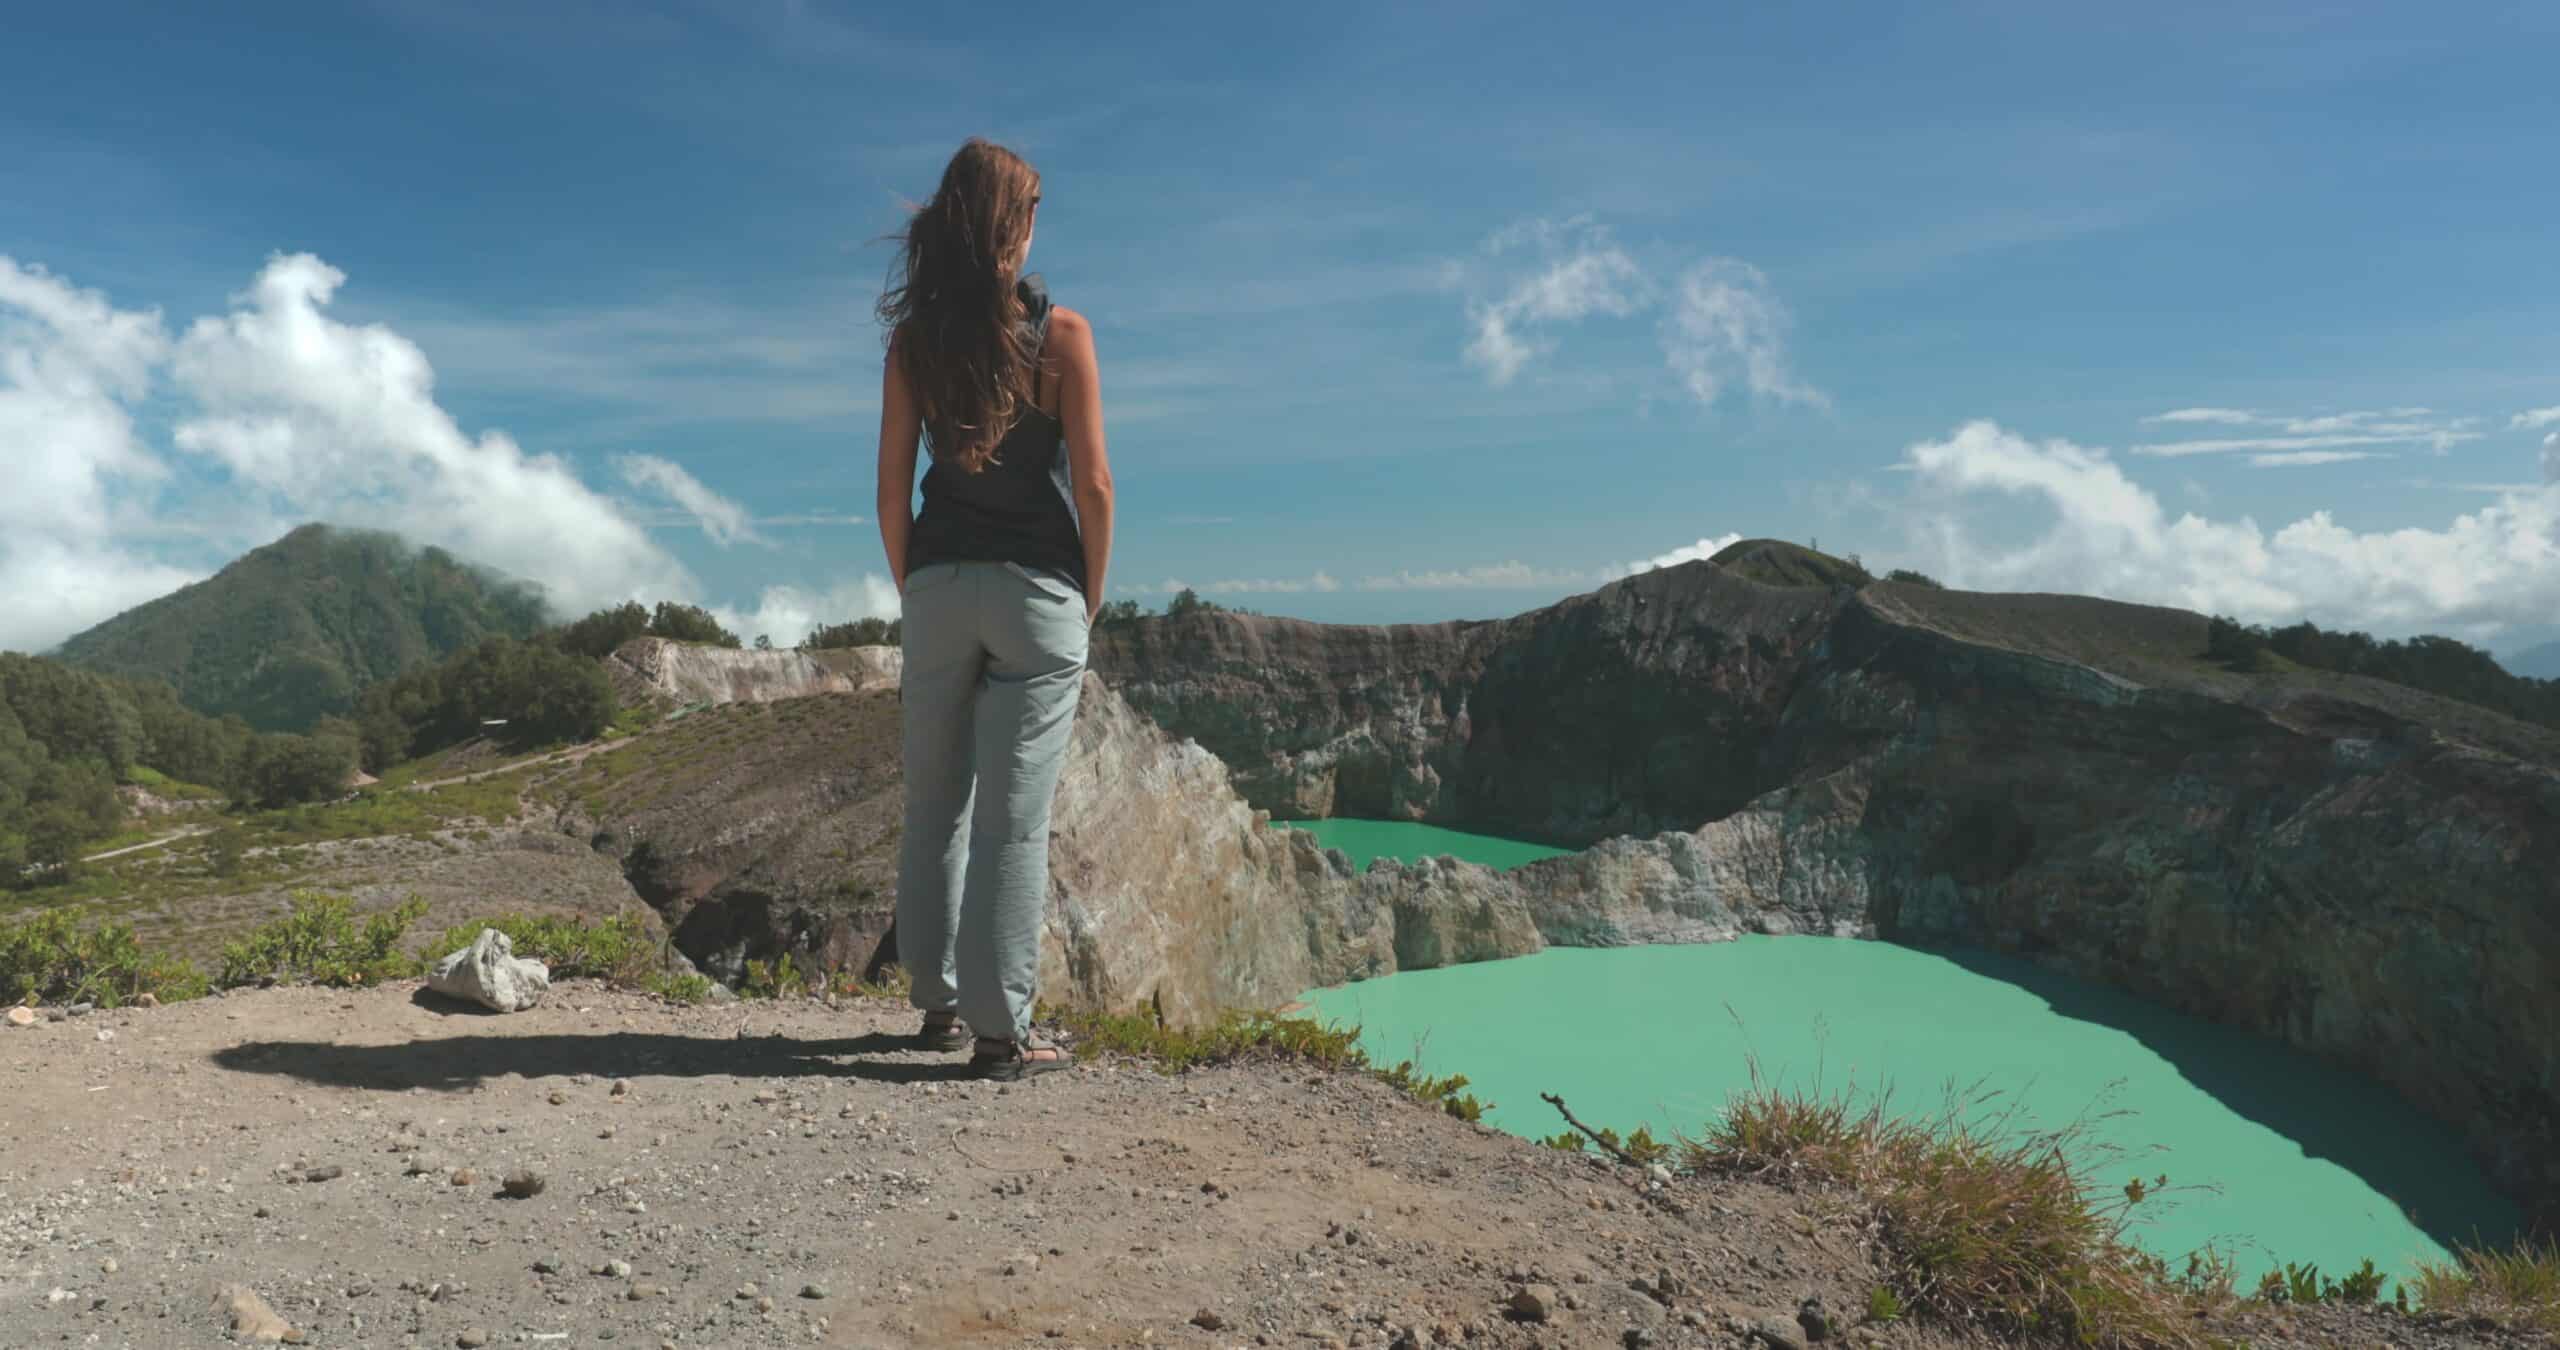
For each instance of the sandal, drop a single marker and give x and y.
(943, 1030)
(1013, 1061)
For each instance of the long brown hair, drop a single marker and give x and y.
(952, 308)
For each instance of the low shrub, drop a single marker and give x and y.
(1257, 1036)
(49, 958)
(321, 942)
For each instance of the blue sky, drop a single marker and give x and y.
(1428, 313)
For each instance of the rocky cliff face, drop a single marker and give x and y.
(2365, 872)
(688, 673)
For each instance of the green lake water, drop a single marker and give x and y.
(2304, 1162)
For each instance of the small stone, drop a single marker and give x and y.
(559, 1098)
(1534, 1302)
(546, 1265)
(22, 1016)
(521, 1184)
(606, 1133)
(472, 1338)
(813, 1291)
(147, 1000)
(1779, 1334)
(329, 1173)
(251, 1318)
(58, 1294)
(747, 1293)
(620, 1089)
(464, 1176)
(80, 1010)
(106, 1034)
(261, 1212)
(767, 1096)
(1207, 1319)
(1637, 1338)
(643, 1292)
(764, 1304)
(620, 1270)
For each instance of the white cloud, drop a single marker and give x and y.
(1512, 575)
(722, 519)
(2231, 416)
(787, 614)
(2237, 444)
(1321, 583)
(2536, 418)
(284, 414)
(2099, 533)
(1584, 274)
(340, 423)
(70, 366)
(1698, 552)
(1724, 326)
(2551, 458)
(2293, 459)
(2284, 436)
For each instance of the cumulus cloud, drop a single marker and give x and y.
(282, 414)
(2096, 531)
(722, 519)
(1721, 326)
(2551, 458)
(71, 364)
(1698, 552)
(1725, 326)
(787, 614)
(2536, 418)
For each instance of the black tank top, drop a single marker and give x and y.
(1022, 508)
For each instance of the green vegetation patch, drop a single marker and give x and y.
(1243, 1036)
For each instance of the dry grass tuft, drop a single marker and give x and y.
(1983, 1222)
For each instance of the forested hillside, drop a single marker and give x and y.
(292, 632)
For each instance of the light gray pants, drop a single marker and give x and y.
(995, 658)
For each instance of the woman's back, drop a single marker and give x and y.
(1020, 508)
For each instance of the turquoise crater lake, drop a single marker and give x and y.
(2304, 1162)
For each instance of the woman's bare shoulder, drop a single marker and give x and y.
(1070, 323)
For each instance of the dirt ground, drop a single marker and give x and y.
(764, 1174)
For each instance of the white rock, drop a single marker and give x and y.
(489, 973)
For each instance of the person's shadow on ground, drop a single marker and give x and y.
(458, 1063)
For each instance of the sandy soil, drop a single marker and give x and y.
(760, 1174)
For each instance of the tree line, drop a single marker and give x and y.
(2436, 665)
(68, 737)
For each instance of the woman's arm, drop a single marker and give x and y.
(1080, 409)
(899, 427)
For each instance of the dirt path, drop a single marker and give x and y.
(189, 832)
(571, 755)
(763, 1174)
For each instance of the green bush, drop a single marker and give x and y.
(48, 958)
(321, 942)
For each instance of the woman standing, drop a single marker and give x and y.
(1001, 574)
